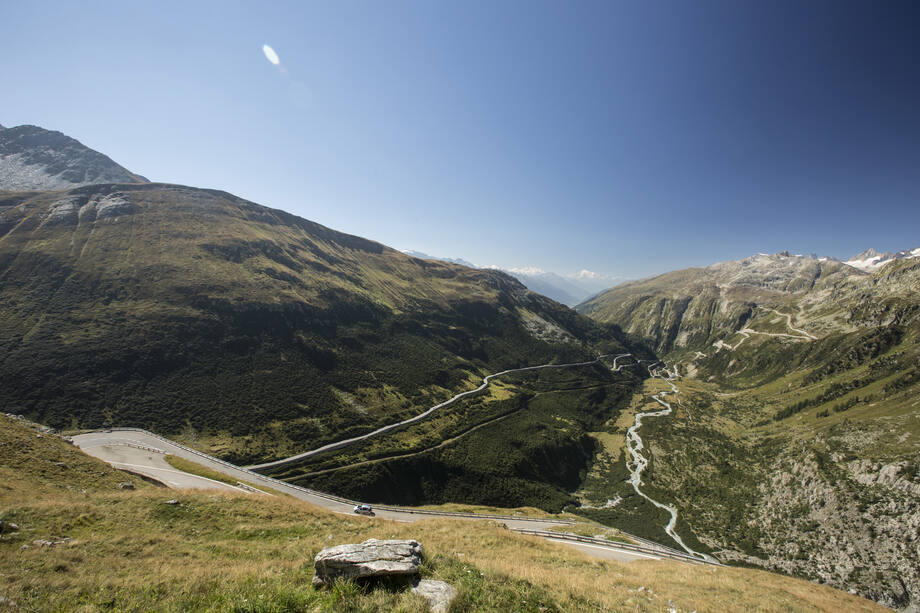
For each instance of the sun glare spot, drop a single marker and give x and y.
(270, 55)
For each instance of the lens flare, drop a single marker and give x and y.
(270, 55)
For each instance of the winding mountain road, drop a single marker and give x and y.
(407, 422)
(747, 332)
(144, 452)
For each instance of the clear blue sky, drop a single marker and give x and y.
(628, 138)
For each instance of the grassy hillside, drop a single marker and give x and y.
(249, 331)
(524, 444)
(805, 427)
(245, 553)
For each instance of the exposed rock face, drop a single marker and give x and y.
(842, 523)
(372, 558)
(439, 594)
(32, 158)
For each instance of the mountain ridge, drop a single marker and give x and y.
(33, 158)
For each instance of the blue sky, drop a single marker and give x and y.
(627, 138)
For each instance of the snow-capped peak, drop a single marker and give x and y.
(871, 260)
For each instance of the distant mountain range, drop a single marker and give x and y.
(425, 256)
(572, 290)
(568, 290)
(871, 260)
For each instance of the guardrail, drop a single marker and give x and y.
(264, 479)
(616, 545)
(144, 448)
(650, 543)
(655, 549)
(547, 520)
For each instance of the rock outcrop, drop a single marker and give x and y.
(34, 158)
(372, 558)
(439, 594)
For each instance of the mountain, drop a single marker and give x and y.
(798, 390)
(167, 307)
(32, 158)
(568, 290)
(694, 307)
(550, 285)
(425, 256)
(255, 334)
(871, 260)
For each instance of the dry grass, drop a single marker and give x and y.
(130, 551)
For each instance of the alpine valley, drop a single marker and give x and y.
(795, 442)
(759, 413)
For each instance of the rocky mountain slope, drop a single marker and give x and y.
(694, 307)
(799, 392)
(32, 158)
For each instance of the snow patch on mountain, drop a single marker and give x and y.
(871, 260)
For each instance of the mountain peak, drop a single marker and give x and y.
(871, 260)
(868, 253)
(33, 158)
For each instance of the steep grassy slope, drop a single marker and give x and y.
(251, 331)
(805, 427)
(129, 551)
(525, 444)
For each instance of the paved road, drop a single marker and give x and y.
(154, 465)
(604, 552)
(142, 452)
(421, 416)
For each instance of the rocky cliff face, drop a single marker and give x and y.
(32, 158)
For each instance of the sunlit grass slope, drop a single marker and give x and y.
(130, 551)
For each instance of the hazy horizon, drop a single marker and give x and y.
(627, 139)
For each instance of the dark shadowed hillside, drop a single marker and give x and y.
(252, 330)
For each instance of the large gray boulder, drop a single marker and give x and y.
(439, 594)
(372, 558)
